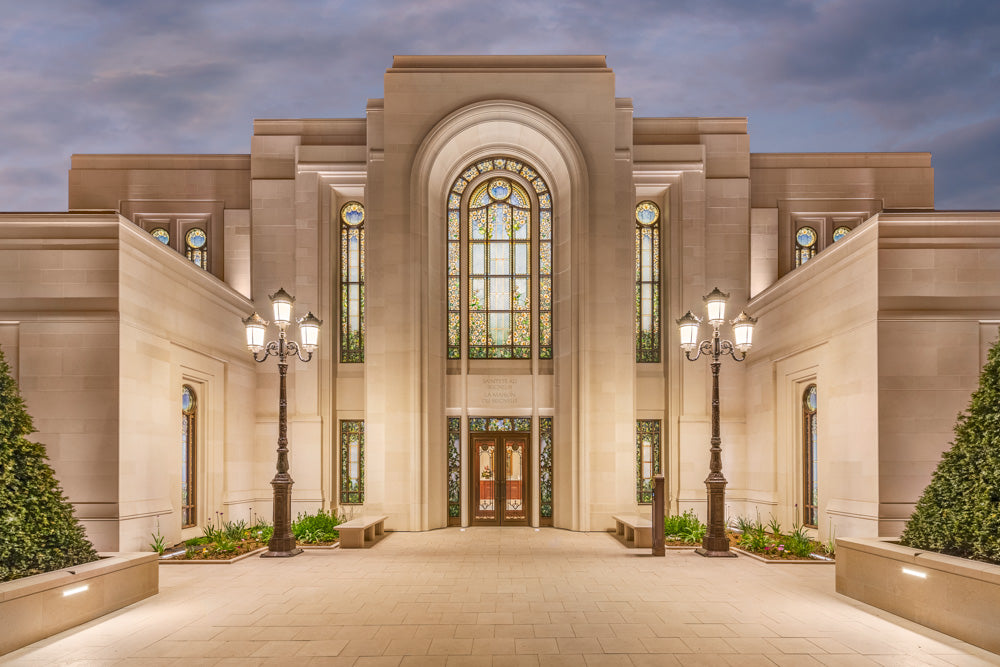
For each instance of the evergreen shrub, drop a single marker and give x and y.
(959, 512)
(38, 532)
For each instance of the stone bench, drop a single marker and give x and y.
(361, 532)
(636, 531)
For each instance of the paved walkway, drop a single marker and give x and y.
(492, 596)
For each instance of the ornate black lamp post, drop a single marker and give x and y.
(282, 544)
(715, 542)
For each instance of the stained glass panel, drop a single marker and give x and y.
(810, 433)
(196, 247)
(545, 469)
(352, 283)
(161, 235)
(352, 461)
(499, 424)
(648, 455)
(647, 282)
(454, 470)
(189, 414)
(805, 245)
(840, 232)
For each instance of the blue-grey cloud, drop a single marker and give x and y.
(142, 76)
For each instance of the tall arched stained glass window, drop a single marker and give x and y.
(647, 458)
(196, 247)
(647, 282)
(189, 416)
(352, 462)
(352, 283)
(805, 245)
(810, 437)
(506, 289)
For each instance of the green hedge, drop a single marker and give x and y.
(38, 532)
(959, 512)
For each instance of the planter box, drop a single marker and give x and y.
(33, 608)
(956, 596)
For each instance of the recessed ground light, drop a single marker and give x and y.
(537, 529)
(74, 591)
(922, 575)
(461, 530)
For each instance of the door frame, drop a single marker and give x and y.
(500, 438)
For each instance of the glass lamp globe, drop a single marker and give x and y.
(688, 326)
(743, 331)
(715, 305)
(256, 329)
(282, 301)
(309, 332)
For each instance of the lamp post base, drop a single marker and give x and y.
(281, 554)
(712, 553)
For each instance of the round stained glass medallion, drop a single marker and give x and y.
(195, 238)
(161, 235)
(646, 213)
(499, 189)
(187, 399)
(840, 232)
(810, 398)
(805, 237)
(352, 213)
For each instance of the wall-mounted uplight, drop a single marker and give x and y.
(74, 591)
(914, 573)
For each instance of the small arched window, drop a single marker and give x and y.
(647, 282)
(352, 283)
(805, 245)
(189, 451)
(810, 437)
(196, 247)
(161, 235)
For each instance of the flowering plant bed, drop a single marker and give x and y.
(772, 545)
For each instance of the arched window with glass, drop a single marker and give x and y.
(497, 210)
(196, 247)
(805, 245)
(189, 457)
(810, 442)
(352, 283)
(647, 282)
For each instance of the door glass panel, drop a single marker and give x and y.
(486, 500)
(515, 479)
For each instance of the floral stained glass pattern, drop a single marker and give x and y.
(189, 415)
(352, 461)
(545, 470)
(196, 247)
(647, 283)
(454, 470)
(161, 235)
(810, 435)
(499, 265)
(352, 283)
(500, 424)
(805, 245)
(647, 457)
(840, 232)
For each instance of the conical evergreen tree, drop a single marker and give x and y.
(959, 512)
(38, 531)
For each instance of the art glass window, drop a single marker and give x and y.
(840, 232)
(501, 222)
(161, 235)
(805, 245)
(647, 283)
(647, 455)
(196, 247)
(811, 459)
(454, 470)
(352, 283)
(545, 470)
(189, 438)
(352, 461)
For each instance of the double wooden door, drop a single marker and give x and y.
(500, 488)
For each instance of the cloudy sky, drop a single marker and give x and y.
(189, 76)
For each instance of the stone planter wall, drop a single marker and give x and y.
(956, 596)
(34, 608)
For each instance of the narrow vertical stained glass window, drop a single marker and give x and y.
(495, 268)
(647, 283)
(189, 416)
(196, 247)
(454, 471)
(647, 456)
(352, 283)
(805, 245)
(545, 470)
(352, 461)
(810, 437)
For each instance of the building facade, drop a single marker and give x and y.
(498, 251)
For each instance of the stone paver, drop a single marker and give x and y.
(499, 596)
